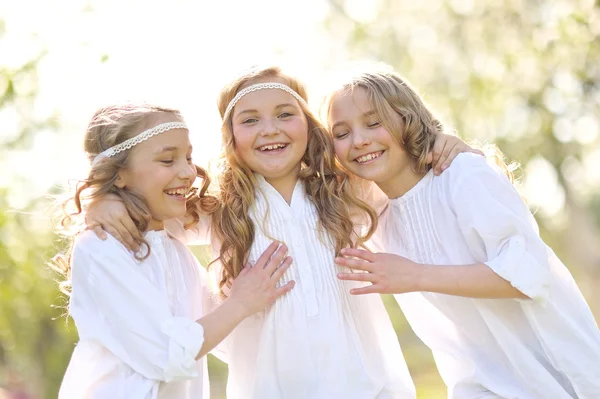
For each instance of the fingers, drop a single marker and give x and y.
(128, 237)
(437, 168)
(266, 255)
(287, 287)
(279, 272)
(359, 253)
(98, 231)
(131, 228)
(276, 259)
(356, 264)
(370, 289)
(438, 148)
(110, 229)
(370, 277)
(445, 162)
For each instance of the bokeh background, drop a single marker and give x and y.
(523, 74)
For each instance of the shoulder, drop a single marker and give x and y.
(88, 246)
(471, 167)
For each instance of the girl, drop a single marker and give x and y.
(280, 181)
(501, 313)
(140, 318)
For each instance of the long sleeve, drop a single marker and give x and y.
(115, 304)
(498, 227)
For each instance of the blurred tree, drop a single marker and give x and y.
(34, 345)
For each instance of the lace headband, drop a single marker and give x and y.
(261, 86)
(145, 135)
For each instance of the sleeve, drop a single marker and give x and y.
(199, 234)
(115, 304)
(498, 227)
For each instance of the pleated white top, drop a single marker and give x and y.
(317, 341)
(546, 347)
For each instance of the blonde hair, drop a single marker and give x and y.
(108, 127)
(391, 95)
(325, 183)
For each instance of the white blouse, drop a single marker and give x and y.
(136, 321)
(546, 347)
(317, 341)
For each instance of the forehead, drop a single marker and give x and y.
(350, 103)
(179, 139)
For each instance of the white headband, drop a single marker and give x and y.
(261, 86)
(145, 135)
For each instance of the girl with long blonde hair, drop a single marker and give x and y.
(501, 313)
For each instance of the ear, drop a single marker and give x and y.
(120, 181)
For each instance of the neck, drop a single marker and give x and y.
(285, 187)
(156, 225)
(401, 183)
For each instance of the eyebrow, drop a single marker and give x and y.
(169, 148)
(368, 113)
(248, 111)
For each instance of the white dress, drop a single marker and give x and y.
(136, 321)
(544, 348)
(317, 341)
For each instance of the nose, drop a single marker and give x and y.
(188, 172)
(360, 138)
(269, 128)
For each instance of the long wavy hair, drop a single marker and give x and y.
(391, 95)
(108, 127)
(326, 184)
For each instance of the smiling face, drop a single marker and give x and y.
(362, 144)
(270, 131)
(160, 169)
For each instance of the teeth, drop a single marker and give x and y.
(368, 157)
(271, 147)
(179, 191)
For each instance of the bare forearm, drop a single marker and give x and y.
(474, 281)
(219, 324)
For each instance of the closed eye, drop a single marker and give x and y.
(340, 135)
(374, 124)
(167, 161)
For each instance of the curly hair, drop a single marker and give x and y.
(108, 127)
(325, 183)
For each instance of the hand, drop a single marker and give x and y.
(256, 287)
(108, 214)
(445, 149)
(387, 273)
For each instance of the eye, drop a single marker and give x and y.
(340, 135)
(285, 115)
(249, 120)
(374, 124)
(167, 161)
(189, 159)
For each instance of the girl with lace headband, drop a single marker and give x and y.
(141, 318)
(279, 180)
(501, 313)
